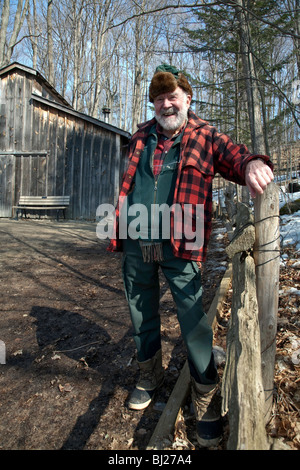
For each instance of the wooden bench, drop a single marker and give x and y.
(40, 203)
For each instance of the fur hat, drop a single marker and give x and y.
(165, 80)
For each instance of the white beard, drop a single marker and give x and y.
(174, 122)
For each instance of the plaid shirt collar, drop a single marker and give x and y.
(163, 146)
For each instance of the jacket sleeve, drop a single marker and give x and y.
(230, 159)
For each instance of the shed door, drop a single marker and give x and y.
(6, 184)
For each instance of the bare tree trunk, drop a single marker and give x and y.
(297, 40)
(294, 7)
(102, 21)
(50, 42)
(3, 28)
(253, 100)
(136, 106)
(145, 36)
(6, 51)
(76, 16)
(33, 32)
(126, 97)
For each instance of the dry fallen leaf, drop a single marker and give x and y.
(65, 388)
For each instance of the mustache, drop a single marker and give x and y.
(169, 111)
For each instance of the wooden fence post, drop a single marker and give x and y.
(242, 386)
(267, 258)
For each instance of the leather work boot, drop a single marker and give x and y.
(207, 405)
(151, 377)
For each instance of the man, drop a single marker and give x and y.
(172, 161)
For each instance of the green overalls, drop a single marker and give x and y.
(141, 278)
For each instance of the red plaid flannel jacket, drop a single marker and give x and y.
(203, 153)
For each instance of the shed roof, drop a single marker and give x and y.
(60, 103)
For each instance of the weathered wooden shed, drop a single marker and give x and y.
(49, 149)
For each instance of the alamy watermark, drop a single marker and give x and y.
(136, 222)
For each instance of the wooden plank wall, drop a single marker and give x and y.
(55, 152)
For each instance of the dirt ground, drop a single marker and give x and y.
(70, 357)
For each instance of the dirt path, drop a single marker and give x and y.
(69, 352)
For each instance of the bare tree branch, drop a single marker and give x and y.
(202, 4)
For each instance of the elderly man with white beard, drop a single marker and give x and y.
(172, 160)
